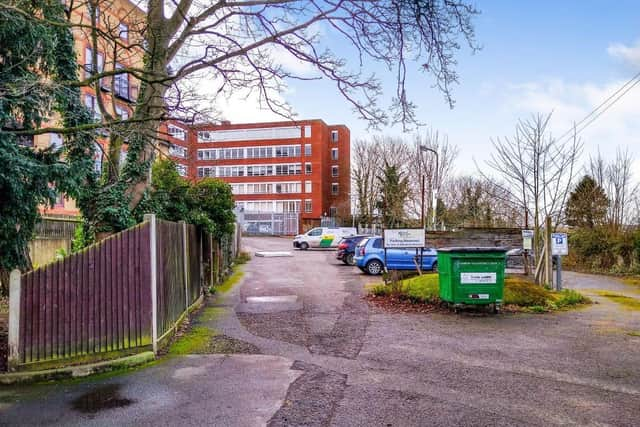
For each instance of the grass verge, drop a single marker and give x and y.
(625, 301)
(520, 294)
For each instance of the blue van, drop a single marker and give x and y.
(370, 257)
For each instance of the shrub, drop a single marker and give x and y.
(569, 297)
(380, 290)
(520, 291)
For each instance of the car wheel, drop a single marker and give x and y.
(374, 267)
(434, 268)
(350, 260)
(304, 246)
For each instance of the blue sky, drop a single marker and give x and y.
(537, 56)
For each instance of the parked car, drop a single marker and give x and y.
(347, 249)
(322, 237)
(370, 257)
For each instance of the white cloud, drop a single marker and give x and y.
(628, 54)
(571, 102)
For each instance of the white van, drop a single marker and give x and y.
(322, 237)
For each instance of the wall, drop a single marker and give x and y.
(507, 237)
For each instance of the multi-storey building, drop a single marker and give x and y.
(300, 167)
(118, 23)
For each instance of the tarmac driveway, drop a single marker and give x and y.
(328, 358)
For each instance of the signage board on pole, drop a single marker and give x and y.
(404, 238)
(527, 239)
(559, 244)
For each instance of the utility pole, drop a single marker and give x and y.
(434, 185)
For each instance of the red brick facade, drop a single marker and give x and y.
(299, 166)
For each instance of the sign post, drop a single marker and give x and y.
(403, 238)
(527, 245)
(559, 248)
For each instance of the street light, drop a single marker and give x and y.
(424, 148)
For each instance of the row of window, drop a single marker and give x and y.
(253, 170)
(176, 132)
(258, 134)
(277, 206)
(267, 188)
(253, 152)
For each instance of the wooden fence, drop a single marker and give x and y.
(124, 294)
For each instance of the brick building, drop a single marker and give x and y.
(278, 167)
(118, 46)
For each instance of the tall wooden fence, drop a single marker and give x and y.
(124, 294)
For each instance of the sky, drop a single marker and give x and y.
(542, 56)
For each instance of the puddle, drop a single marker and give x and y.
(99, 399)
(273, 299)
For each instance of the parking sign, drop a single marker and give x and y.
(559, 244)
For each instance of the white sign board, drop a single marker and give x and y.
(559, 244)
(481, 278)
(404, 238)
(527, 239)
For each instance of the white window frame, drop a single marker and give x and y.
(335, 188)
(123, 31)
(335, 171)
(334, 154)
(308, 187)
(334, 136)
(308, 206)
(176, 132)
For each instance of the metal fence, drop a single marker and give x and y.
(270, 223)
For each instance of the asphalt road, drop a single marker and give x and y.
(328, 358)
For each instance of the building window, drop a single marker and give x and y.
(307, 205)
(307, 186)
(59, 203)
(307, 168)
(55, 141)
(333, 211)
(334, 170)
(334, 154)
(307, 150)
(122, 112)
(97, 158)
(121, 83)
(307, 131)
(334, 188)
(123, 29)
(89, 68)
(176, 132)
(182, 169)
(92, 105)
(178, 151)
(334, 136)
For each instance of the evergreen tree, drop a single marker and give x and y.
(394, 191)
(37, 60)
(587, 205)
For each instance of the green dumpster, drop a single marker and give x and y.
(471, 275)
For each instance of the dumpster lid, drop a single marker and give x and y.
(473, 249)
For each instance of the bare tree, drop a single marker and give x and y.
(616, 179)
(536, 169)
(239, 47)
(425, 164)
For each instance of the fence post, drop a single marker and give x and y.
(14, 319)
(154, 280)
(185, 264)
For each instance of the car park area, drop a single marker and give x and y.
(333, 358)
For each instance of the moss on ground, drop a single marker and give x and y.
(632, 281)
(194, 341)
(230, 282)
(634, 333)
(209, 314)
(627, 302)
(519, 291)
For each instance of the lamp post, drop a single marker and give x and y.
(424, 148)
